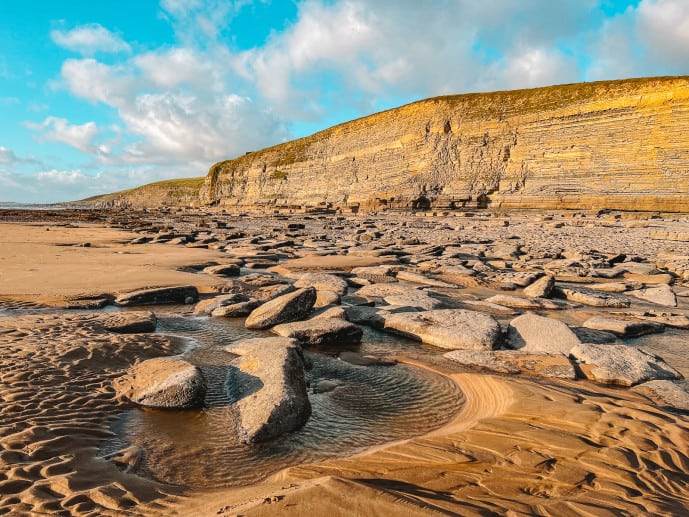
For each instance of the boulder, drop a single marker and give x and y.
(324, 332)
(447, 328)
(336, 313)
(515, 362)
(410, 276)
(165, 382)
(538, 334)
(131, 322)
(325, 298)
(623, 327)
(620, 364)
(541, 288)
(283, 309)
(660, 295)
(364, 315)
(674, 394)
(323, 282)
(160, 295)
(268, 385)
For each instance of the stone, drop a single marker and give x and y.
(448, 328)
(208, 306)
(623, 327)
(515, 362)
(380, 291)
(131, 322)
(538, 334)
(674, 394)
(414, 299)
(159, 295)
(337, 313)
(518, 302)
(620, 364)
(410, 276)
(268, 385)
(325, 298)
(323, 282)
(661, 295)
(599, 337)
(591, 297)
(321, 332)
(236, 310)
(283, 309)
(165, 382)
(541, 288)
(364, 360)
(223, 270)
(364, 315)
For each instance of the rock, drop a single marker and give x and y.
(448, 328)
(380, 291)
(414, 299)
(283, 309)
(674, 394)
(364, 315)
(620, 364)
(661, 295)
(321, 332)
(541, 288)
(532, 333)
(165, 382)
(325, 298)
(518, 302)
(208, 306)
(327, 385)
(594, 336)
(323, 282)
(516, 362)
(514, 279)
(333, 313)
(223, 270)
(268, 383)
(623, 327)
(131, 322)
(409, 276)
(591, 297)
(654, 279)
(160, 295)
(236, 310)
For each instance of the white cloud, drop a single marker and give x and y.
(664, 26)
(55, 129)
(7, 155)
(89, 40)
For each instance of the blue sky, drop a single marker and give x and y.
(98, 96)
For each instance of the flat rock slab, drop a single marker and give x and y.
(283, 309)
(321, 332)
(208, 306)
(538, 334)
(621, 364)
(364, 315)
(236, 310)
(268, 383)
(541, 288)
(518, 302)
(223, 270)
(516, 362)
(380, 291)
(448, 328)
(160, 295)
(410, 276)
(623, 327)
(323, 282)
(344, 263)
(131, 322)
(674, 394)
(592, 297)
(661, 295)
(165, 382)
(516, 278)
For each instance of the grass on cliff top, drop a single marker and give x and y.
(173, 186)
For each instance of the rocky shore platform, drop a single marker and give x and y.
(565, 333)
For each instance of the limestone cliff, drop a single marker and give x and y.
(620, 145)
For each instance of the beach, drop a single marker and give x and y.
(509, 443)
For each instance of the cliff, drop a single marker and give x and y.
(176, 192)
(619, 144)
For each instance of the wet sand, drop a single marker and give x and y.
(517, 447)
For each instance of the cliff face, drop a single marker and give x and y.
(620, 145)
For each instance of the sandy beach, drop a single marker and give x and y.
(516, 446)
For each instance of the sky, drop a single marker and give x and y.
(99, 96)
